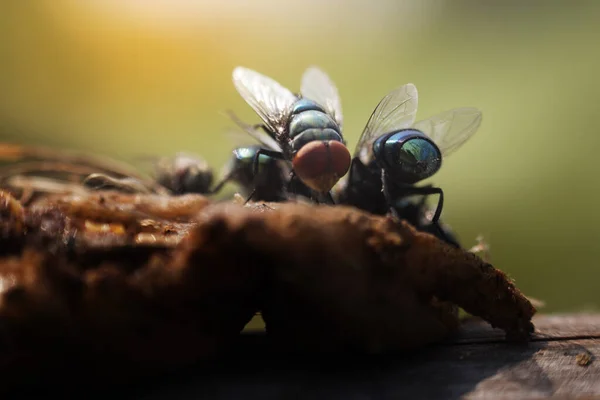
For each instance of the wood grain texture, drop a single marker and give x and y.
(547, 327)
(561, 362)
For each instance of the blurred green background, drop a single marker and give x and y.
(133, 77)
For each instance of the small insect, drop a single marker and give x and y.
(270, 182)
(304, 130)
(394, 153)
(36, 169)
(183, 173)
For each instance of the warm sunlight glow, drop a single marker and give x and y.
(314, 11)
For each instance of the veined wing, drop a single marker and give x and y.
(63, 171)
(451, 129)
(106, 182)
(317, 86)
(395, 111)
(257, 133)
(28, 188)
(44, 161)
(271, 101)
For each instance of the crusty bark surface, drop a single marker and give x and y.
(341, 278)
(127, 284)
(80, 293)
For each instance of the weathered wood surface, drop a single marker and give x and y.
(560, 362)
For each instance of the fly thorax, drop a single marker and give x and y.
(369, 179)
(245, 157)
(310, 122)
(407, 155)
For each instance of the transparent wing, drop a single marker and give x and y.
(237, 138)
(255, 132)
(450, 129)
(50, 160)
(28, 186)
(395, 111)
(317, 86)
(107, 182)
(271, 101)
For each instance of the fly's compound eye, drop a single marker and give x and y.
(409, 155)
(320, 164)
(419, 157)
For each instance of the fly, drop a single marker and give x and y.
(269, 183)
(394, 153)
(303, 130)
(37, 169)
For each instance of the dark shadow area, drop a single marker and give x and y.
(252, 371)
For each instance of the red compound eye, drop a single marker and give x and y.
(320, 164)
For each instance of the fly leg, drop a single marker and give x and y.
(269, 153)
(220, 185)
(330, 198)
(408, 190)
(429, 190)
(435, 221)
(290, 189)
(297, 189)
(250, 196)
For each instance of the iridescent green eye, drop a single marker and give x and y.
(409, 155)
(418, 156)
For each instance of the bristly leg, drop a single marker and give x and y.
(442, 235)
(426, 191)
(269, 153)
(330, 198)
(250, 196)
(408, 190)
(220, 185)
(422, 190)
